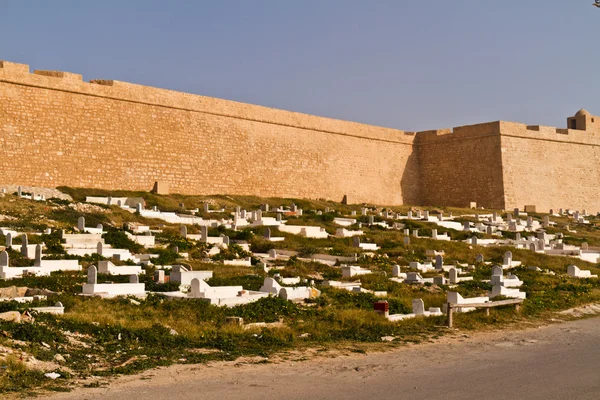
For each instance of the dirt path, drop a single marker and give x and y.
(559, 361)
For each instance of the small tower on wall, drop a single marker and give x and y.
(584, 121)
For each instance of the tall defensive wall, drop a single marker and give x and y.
(57, 130)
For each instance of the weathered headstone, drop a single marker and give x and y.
(267, 233)
(195, 287)
(532, 247)
(4, 259)
(453, 276)
(507, 258)
(439, 262)
(134, 278)
(81, 224)
(183, 231)
(159, 276)
(418, 307)
(38, 255)
(203, 233)
(8, 240)
(92, 275)
(24, 244)
(497, 270)
(479, 258)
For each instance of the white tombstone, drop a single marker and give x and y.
(418, 307)
(195, 287)
(396, 271)
(159, 276)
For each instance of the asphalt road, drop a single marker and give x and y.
(560, 361)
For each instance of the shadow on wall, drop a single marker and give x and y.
(410, 182)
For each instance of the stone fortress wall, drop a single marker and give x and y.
(57, 130)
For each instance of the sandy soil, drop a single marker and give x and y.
(314, 374)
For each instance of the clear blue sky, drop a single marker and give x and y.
(407, 64)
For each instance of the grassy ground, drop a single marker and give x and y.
(99, 337)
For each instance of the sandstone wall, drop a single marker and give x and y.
(56, 130)
(551, 168)
(461, 166)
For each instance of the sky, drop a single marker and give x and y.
(406, 64)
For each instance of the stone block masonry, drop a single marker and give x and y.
(57, 130)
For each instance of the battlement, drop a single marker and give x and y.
(550, 133)
(60, 74)
(458, 133)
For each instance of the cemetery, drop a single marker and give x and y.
(119, 282)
